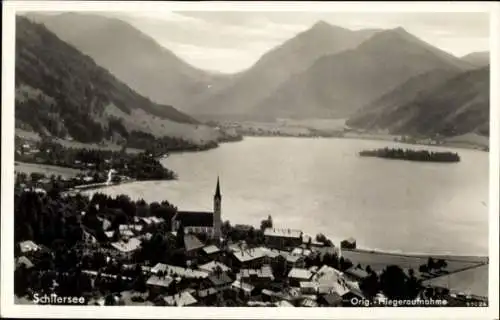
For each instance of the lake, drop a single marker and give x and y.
(323, 186)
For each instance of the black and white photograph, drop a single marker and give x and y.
(218, 157)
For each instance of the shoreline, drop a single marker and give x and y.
(479, 259)
(375, 138)
(451, 257)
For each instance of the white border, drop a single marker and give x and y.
(8, 309)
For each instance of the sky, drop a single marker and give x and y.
(229, 42)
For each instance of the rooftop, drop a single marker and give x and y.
(357, 272)
(284, 303)
(242, 286)
(211, 249)
(284, 233)
(191, 242)
(298, 273)
(181, 299)
(127, 246)
(159, 281)
(24, 261)
(28, 246)
(210, 266)
(220, 279)
(265, 272)
(179, 271)
(250, 254)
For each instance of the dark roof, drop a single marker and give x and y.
(217, 189)
(357, 272)
(195, 218)
(331, 299)
(221, 279)
(192, 243)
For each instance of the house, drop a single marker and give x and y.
(302, 252)
(330, 280)
(206, 293)
(106, 224)
(175, 271)
(257, 276)
(309, 241)
(211, 251)
(201, 222)
(330, 300)
(24, 261)
(282, 238)
(132, 227)
(213, 265)
(284, 303)
(159, 282)
(28, 246)
(220, 281)
(356, 273)
(192, 245)
(89, 238)
(250, 257)
(241, 287)
(109, 234)
(308, 303)
(127, 247)
(294, 261)
(297, 275)
(180, 299)
(268, 295)
(308, 287)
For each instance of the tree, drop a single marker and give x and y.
(393, 282)
(431, 264)
(370, 285)
(267, 223)
(423, 268)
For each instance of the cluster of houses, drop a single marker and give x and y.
(273, 274)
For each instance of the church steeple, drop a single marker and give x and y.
(217, 222)
(217, 190)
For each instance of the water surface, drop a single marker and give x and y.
(322, 185)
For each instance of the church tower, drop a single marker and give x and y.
(217, 211)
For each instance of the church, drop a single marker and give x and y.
(201, 222)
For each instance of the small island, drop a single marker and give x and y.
(411, 155)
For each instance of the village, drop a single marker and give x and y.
(118, 252)
(133, 253)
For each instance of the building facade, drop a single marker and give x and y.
(199, 221)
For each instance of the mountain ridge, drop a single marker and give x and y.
(276, 66)
(337, 85)
(457, 105)
(64, 93)
(147, 67)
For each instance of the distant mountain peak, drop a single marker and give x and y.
(321, 24)
(325, 26)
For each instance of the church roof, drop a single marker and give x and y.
(217, 189)
(195, 218)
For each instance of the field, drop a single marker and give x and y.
(47, 170)
(379, 260)
(471, 281)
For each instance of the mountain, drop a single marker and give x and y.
(132, 56)
(479, 59)
(64, 93)
(246, 90)
(373, 114)
(338, 85)
(453, 107)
